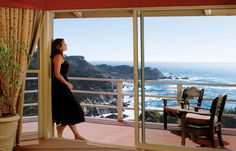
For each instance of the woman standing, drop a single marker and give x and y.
(66, 109)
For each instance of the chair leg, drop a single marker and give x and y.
(220, 138)
(165, 120)
(183, 128)
(183, 137)
(193, 137)
(212, 137)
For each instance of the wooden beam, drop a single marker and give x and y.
(95, 14)
(78, 14)
(208, 12)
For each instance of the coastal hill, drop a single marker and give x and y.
(81, 68)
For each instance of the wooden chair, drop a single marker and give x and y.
(175, 111)
(204, 124)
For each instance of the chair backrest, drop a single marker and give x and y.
(193, 92)
(220, 107)
(217, 107)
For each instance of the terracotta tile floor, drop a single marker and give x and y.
(55, 144)
(111, 132)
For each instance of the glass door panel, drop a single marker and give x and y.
(174, 54)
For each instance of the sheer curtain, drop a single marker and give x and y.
(23, 25)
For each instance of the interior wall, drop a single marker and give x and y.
(101, 4)
(32, 4)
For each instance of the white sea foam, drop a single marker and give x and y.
(189, 72)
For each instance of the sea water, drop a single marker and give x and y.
(194, 72)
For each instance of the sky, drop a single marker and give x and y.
(171, 39)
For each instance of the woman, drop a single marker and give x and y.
(66, 109)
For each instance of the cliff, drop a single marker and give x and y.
(80, 67)
(126, 72)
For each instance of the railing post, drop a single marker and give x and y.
(119, 101)
(179, 97)
(179, 91)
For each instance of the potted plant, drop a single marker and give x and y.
(11, 80)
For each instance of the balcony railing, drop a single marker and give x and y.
(31, 91)
(119, 93)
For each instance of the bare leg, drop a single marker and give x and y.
(76, 133)
(60, 129)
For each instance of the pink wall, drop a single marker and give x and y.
(93, 4)
(34, 4)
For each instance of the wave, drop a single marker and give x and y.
(201, 72)
(171, 90)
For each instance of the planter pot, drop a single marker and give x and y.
(8, 126)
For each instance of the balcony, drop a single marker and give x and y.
(110, 132)
(120, 132)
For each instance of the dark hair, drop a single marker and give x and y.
(56, 44)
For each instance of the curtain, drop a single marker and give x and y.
(23, 25)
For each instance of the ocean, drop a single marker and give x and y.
(196, 72)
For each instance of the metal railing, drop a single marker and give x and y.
(31, 92)
(119, 92)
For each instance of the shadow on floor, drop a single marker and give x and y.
(202, 142)
(66, 145)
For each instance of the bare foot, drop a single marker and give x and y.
(59, 135)
(78, 137)
(60, 131)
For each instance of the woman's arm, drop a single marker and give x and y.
(57, 61)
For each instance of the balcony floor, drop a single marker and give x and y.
(111, 132)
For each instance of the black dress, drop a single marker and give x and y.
(66, 109)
